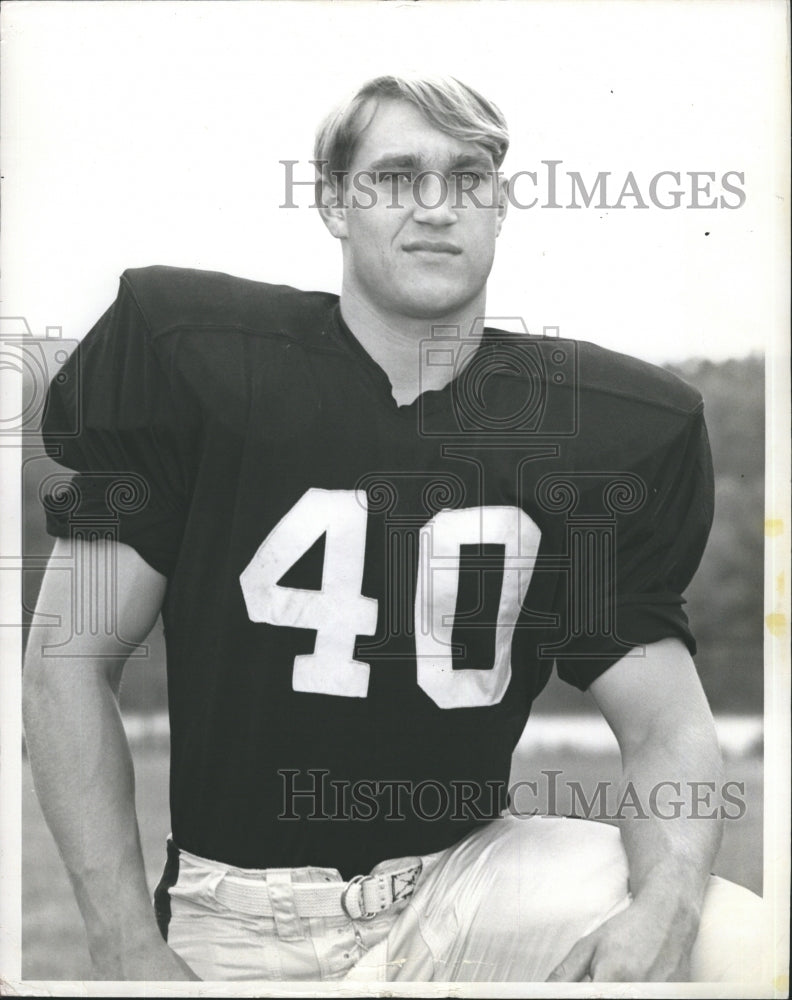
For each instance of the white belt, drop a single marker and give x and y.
(362, 898)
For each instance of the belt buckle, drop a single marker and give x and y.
(357, 880)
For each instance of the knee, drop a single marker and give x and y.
(567, 857)
(526, 890)
(554, 871)
(731, 938)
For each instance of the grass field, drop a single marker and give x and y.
(53, 938)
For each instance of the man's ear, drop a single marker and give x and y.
(503, 201)
(330, 202)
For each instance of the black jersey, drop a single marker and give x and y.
(363, 598)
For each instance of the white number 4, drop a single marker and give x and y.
(339, 612)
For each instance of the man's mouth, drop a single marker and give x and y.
(431, 246)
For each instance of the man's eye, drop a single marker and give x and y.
(402, 176)
(470, 176)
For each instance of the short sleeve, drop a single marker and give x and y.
(656, 550)
(117, 415)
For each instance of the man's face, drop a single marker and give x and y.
(424, 249)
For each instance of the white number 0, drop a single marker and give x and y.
(339, 612)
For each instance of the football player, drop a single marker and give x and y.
(373, 526)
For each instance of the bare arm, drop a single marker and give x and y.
(657, 709)
(82, 767)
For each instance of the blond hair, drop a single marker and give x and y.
(453, 106)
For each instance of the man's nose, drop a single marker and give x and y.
(433, 197)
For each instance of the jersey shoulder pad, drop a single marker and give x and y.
(609, 373)
(176, 298)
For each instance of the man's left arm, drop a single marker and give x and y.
(659, 714)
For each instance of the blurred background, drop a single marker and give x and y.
(138, 134)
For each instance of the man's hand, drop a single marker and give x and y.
(639, 944)
(657, 710)
(152, 961)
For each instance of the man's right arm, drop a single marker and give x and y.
(79, 754)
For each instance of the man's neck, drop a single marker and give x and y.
(394, 342)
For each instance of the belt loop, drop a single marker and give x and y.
(284, 908)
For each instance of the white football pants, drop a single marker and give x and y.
(505, 904)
